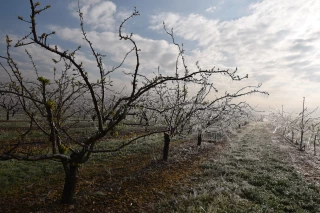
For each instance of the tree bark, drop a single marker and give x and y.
(70, 184)
(166, 146)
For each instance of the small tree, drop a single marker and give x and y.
(306, 124)
(9, 103)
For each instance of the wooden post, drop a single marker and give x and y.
(166, 146)
(199, 139)
(314, 144)
(302, 126)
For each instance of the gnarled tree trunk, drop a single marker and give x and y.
(71, 172)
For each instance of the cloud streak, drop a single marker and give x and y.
(211, 9)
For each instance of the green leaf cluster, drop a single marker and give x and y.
(51, 104)
(43, 80)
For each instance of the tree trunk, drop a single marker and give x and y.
(301, 140)
(199, 139)
(166, 146)
(69, 184)
(8, 113)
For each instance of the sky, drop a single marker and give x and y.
(277, 43)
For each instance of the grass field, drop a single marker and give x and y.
(252, 175)
(252, 172)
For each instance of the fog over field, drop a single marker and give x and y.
(277, 43)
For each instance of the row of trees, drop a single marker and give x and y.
(162, 104)
(301, 129)
(9, 105)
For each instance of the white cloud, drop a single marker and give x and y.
(153, 53)
(211, 9)
(193, 27)
(123, 14)
(97, 14)
(277, 44)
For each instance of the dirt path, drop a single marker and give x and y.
(255, 173)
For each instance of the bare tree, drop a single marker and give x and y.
(51, 104)
(296, 128)
(9, 103)
(179, 112)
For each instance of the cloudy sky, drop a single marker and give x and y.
(277, 43)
